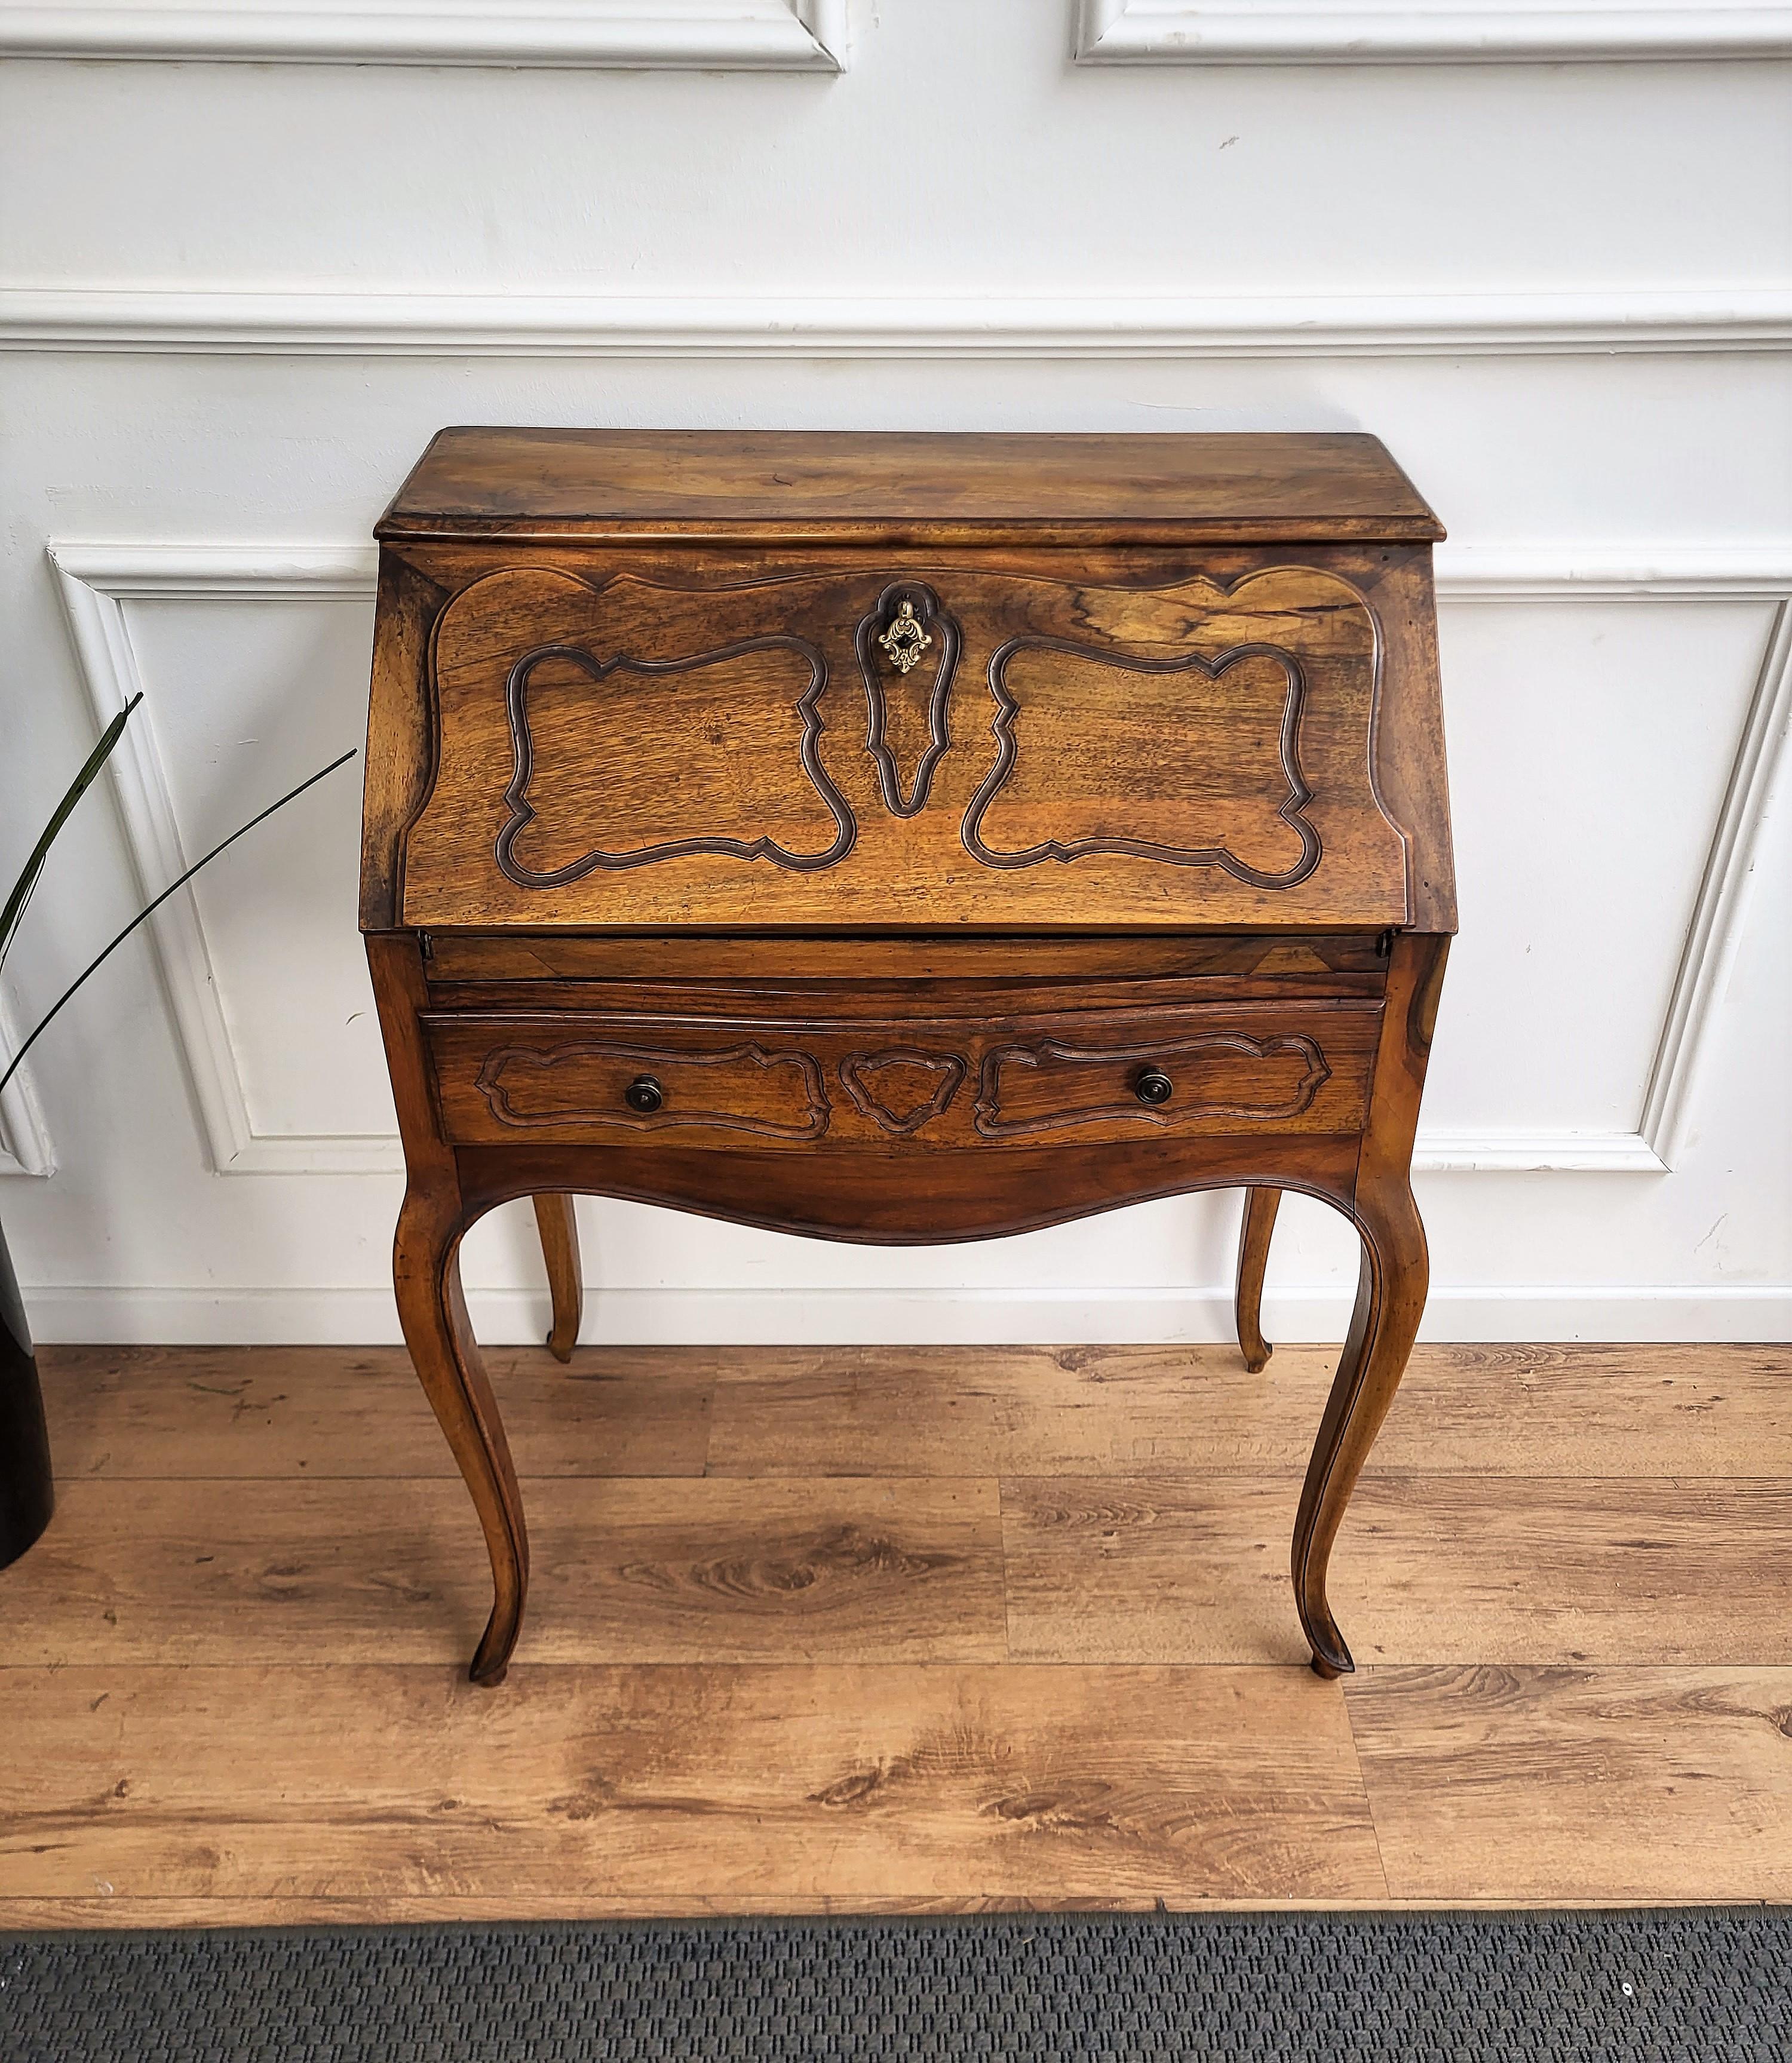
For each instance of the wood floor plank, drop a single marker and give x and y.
(1603, 1411)
(1581, 1786)
(192, 1412)
(43, 1914)
(640, 1570)
(1425, 1570)
(801, 1784)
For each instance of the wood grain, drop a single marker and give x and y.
(193, 1411)
(637, 1570)
(882, 1191)
(1512, 1569)
(1581, 1786)
(394, 777)
(557, 1225)
(612, 750)
(1393, 1280)
(1255, 1233)
(114, 1911)
(1329, 965)
(475, 481)
(1107, 1569)
(767, 1082)
(805, 1785)
(1478, 1410)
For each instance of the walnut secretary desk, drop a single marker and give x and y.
(905, 838)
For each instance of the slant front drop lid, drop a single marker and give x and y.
(905, 838)
(615, 750)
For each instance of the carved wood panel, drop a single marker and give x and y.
(1053, 1084)
(515, 1081)
(1180, 761)
(728, 1070)
(617, 750)
(647, 756)
(900, 1089)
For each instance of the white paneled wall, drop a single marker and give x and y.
(236, 297)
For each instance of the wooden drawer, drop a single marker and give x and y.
(606, 1078)
(947, 747)
(921, 1082)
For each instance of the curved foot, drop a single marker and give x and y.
(1389, 1299)
(426, 1274)
(559, 1231)
(1260, 1208)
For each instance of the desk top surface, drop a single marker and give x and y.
(1321, 487)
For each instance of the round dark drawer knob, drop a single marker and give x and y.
(1154, 1087)
(644, 1094)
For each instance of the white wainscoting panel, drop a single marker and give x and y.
(1421, 31)
(1687, 573)
(97, 582)
(787, 35)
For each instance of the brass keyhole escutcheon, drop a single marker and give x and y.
(905, 640)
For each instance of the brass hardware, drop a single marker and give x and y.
(905, 640)
(643, 1094)
(1154, 1087)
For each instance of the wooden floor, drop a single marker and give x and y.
(831, 1630)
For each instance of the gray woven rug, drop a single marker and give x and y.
(1695, 1986)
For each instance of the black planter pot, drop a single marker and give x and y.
(27, 1496)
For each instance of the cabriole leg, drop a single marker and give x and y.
(559, 1231)
(1390, 1300)
(426, 1272)
(1260, 1207)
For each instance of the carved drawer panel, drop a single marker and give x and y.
(612, 1079)
(865, 747)
(1204, 1070)
(1038, 1087)
(920, 1083)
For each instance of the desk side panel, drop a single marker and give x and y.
(1412, 772)
(400, 735)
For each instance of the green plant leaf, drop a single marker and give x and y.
(14, 911)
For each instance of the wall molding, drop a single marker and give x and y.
(25, 1142)
(1566, 572)
(1576, 572)
(1159, 32)
(116, 1314)
(751, 36)
(1558, 1152)
(97, 580)
(1716, 929)
(322, 322)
